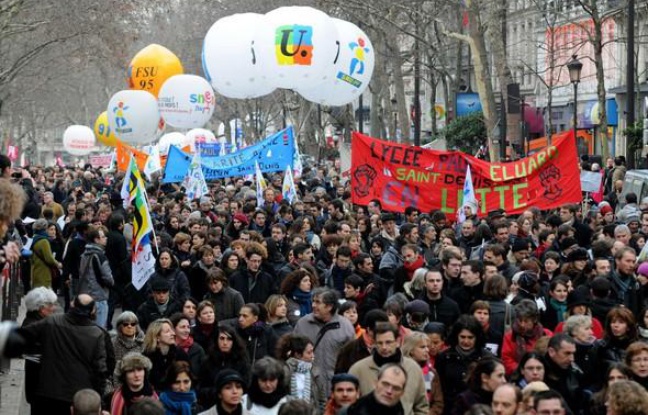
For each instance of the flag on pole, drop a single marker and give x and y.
(153, 163)
(260, 184)
(194, 182)
(469, 198)
(288, 189)
(134, 195)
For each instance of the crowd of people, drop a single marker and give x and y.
(322, 306)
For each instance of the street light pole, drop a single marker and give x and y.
(575, 66)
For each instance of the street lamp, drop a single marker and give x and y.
(575, 66)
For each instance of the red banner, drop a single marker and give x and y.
(400, 175)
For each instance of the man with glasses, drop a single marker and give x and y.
(95, 275)
(386, 351)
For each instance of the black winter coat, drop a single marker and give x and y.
(259, 340)
(264, 287)
(161, 363)
(227, 303)
(444, 310)
(149, 312)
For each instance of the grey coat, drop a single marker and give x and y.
(328, 347)
(88, 281)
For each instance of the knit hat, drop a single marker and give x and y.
(345, 377)
(226, 376)
(605, 209)
(528, 281)
(579, 254)
(435, 327)
(643, 269)
(576, 298)
(160, 284)
(633, 217)
(241, 217)
(131, 362)
(417, 306)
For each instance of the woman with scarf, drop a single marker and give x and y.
(486, 376)
(167, 267)
(412, 260)
(132, 372)
(228, 353)
(524, 334)
(298, 353)
(466, 341)
(179, 397)
(557, 305)
(258, 337)
(182, 251)
(44, 266)
(205, 331)
(198, 273)
(230, 263)
(416, 346)
(269, 387)
(186, 343)
(298, 287)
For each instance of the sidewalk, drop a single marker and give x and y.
(12, 384)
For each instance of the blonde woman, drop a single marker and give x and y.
(416, 345)
(160, 347)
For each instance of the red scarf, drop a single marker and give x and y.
(410, 268)
(185, 344)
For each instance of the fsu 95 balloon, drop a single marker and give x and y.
(151, 67)
(186, 101)
(78, 140)
(352, 70)
(134, 116)
(228, 60)
(296, 46)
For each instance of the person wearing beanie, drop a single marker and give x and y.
(239, 222)
(132, 373)
(416, 314)
(345, 392)
(230, 388)
(578, 304)
(159, 305)
(608, 214)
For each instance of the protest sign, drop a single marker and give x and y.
(400, 175)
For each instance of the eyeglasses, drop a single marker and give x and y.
(129, 324)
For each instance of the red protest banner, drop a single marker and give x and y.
(400, 175)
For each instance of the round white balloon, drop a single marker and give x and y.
(134, 116)
(228, 60)
(200, 136)
(171, 139)
(352, 71)
(79, 140)
(186, 101)
(297, 46)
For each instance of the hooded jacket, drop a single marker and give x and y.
(94, 261)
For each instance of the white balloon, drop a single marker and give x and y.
(297, 46)
(352, 71)
(186, 101)
(171, 139)
(200, 135)
(228, 60)
(79, 140)
(134, 116)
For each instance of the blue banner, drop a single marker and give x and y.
(212, 149)
(273, 154)
(177, 166)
